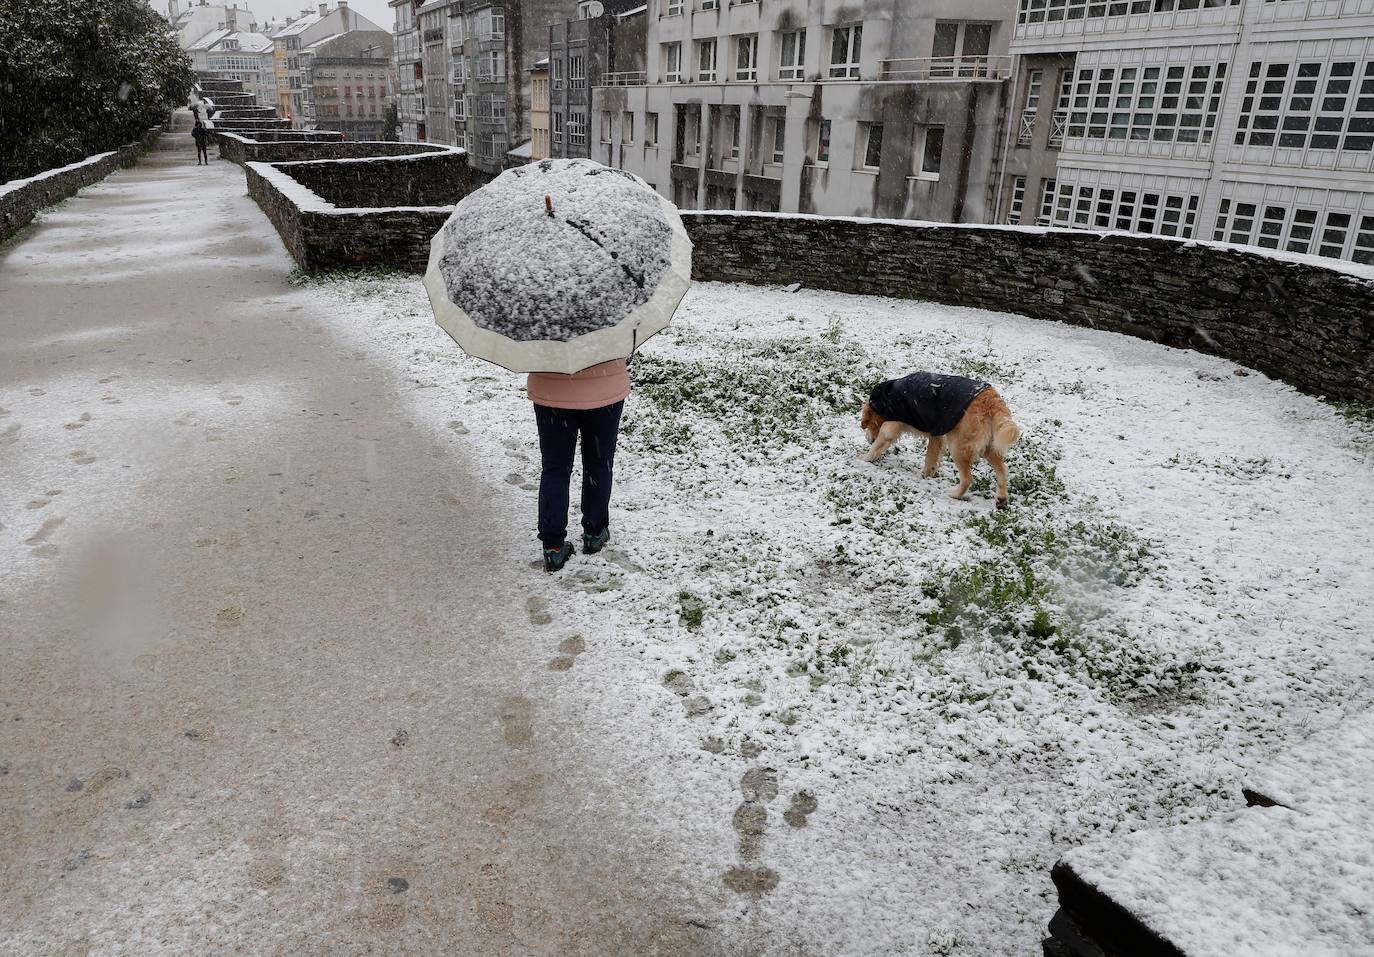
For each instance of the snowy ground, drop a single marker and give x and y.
(947, 697)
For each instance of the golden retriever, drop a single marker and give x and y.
(986, 430)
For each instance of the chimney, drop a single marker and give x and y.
(324, 9)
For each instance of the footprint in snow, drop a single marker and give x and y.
(570, 648)
(537, 609)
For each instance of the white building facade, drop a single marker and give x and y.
(1244, 121)
(878, 108)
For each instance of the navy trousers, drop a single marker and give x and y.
(558, 433)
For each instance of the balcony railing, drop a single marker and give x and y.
(947, 68)
(630, 78)
(1059, 121)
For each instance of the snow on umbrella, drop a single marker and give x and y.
(557, 266)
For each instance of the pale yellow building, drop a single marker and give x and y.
(539, 110)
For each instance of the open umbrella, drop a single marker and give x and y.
(557, 266)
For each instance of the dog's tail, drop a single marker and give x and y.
(1005, 432)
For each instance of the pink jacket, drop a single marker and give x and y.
(604, 384)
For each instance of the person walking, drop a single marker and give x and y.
(586, 404)
(202, 137)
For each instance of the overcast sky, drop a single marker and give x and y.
(375, 10)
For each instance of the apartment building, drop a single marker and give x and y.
(193, 21)
(410, 95)
(878, 108)
(350, 80)
(579, 58)
(293, 49)
(1244, 121)
(465, 72)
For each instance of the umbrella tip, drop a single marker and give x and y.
(548, 203)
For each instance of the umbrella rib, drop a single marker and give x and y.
(636, 278)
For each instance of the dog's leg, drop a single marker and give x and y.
(889, 433)
(963, 461)
(999, 465)
(879, 449)
(934, 449)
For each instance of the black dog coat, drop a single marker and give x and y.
(927, 401)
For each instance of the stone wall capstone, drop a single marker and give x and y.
(1300, 321)
(256, 149)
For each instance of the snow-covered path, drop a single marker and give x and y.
(271, 680)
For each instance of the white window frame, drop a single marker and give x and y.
(672, 62)
(863, 144)
(627, 127)
(706, 73)
(825, 135)
(746, 58)
(1016, 207)
(651, 129)
(795, 68)
(847, 69)
(921, 169)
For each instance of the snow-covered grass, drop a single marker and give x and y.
(1181, 588)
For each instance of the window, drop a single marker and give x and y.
(1046, 203)
(1334, 235)
(577, 72)
(710, 4)
(1174, 104)
(1018, 200)
(558, 127)
(491, 65)
(733, 124)
(1308, 105)
(1040, 11)
(871, 144)
(605, 126)
(627, 127)
(650, 129)
(1034, 79)
(491, 24)
(577, 129)
(672, 62)
(556, 73)
(823, 142)
(844, 52)
(931, 143)
(779, 137)
(792, 56)
(747, 57)
(706, 61)
(672, 7)
(1132, 210)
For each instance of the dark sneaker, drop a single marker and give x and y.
(556, 558)
(591, 544)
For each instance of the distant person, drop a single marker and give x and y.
(202, 137)
(588, 403)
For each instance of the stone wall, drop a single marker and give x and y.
(343, 233)
(1309, 324)
(21, 200)
(235, 126)
(440, 177)
(254, 149)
